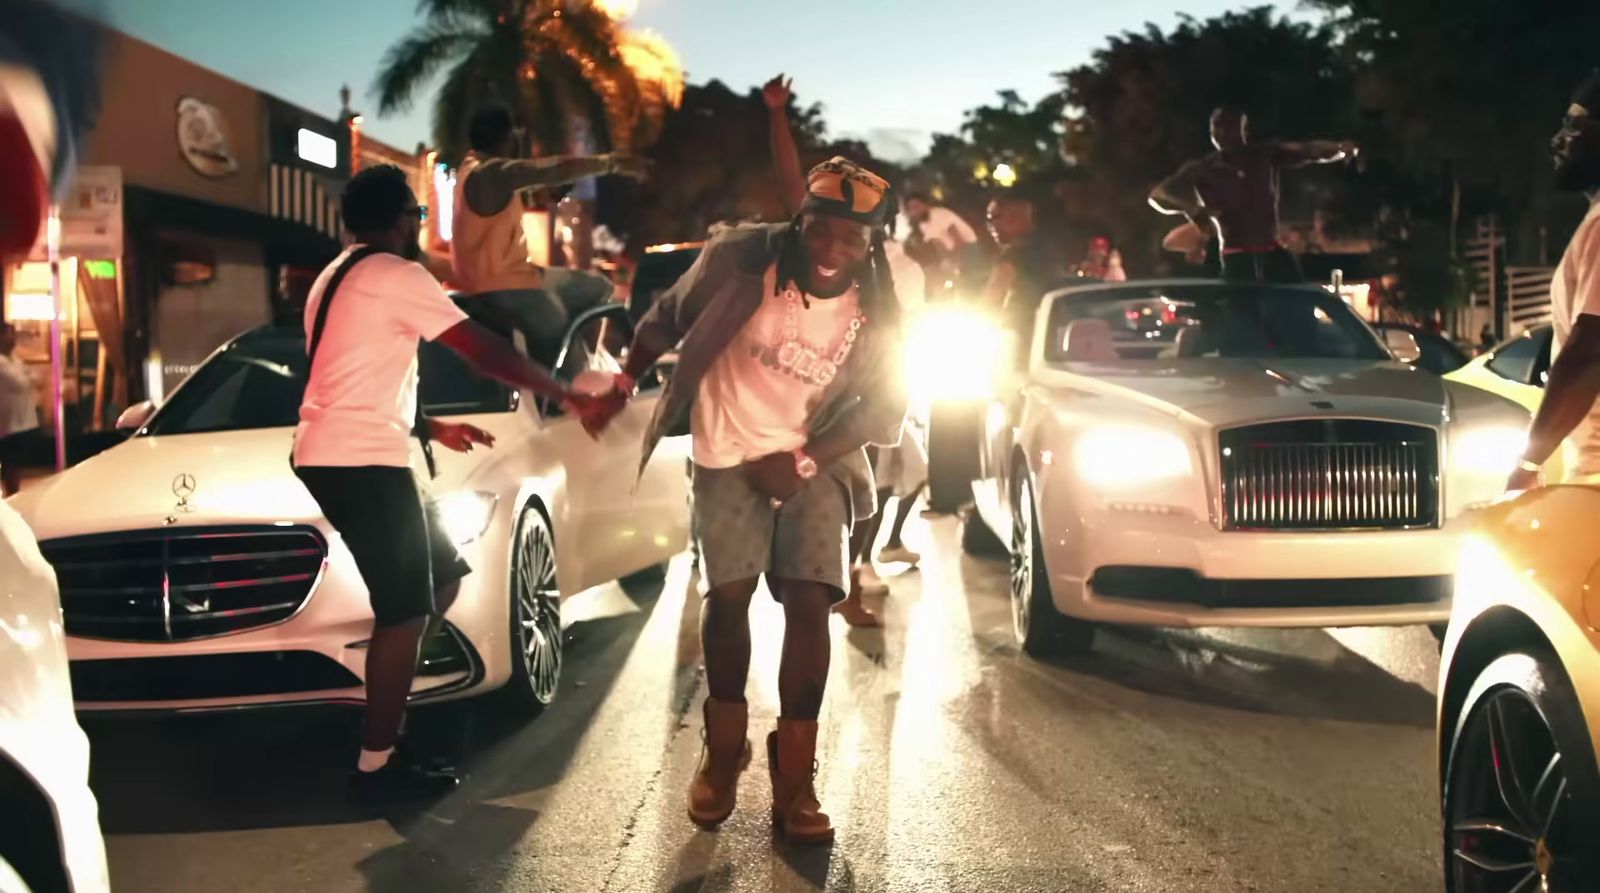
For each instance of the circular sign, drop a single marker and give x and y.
(205, 139)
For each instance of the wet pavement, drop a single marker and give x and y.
(1218, 760)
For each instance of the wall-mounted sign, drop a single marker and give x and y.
(318, 149)
(91, 216)
(205, 139)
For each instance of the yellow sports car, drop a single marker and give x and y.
(1519, 699)
(1516, 370)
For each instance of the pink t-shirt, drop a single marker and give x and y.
(758, 397)
(361, 400)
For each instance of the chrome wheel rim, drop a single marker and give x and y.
(1510, 809)
(538, 610)
(1022, 561)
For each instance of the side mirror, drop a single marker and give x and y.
(136, 416)
(1402, 344)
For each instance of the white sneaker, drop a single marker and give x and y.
(899, 555)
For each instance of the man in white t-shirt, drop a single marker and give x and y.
(1569, 405)
(364, 317)
(939, 240)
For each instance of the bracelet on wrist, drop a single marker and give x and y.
(1527, 464)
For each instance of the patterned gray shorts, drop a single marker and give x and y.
(742, 536)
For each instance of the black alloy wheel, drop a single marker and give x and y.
(1521, 783)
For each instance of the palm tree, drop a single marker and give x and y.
(560, 64)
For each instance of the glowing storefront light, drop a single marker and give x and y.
(444, 188)
(318, 149)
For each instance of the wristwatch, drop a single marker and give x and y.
(805, 467)
(1529, 465)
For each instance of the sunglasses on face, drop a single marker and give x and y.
(420, 212)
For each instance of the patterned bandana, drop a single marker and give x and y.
(841, 188)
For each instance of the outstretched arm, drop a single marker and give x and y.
(494, 182)
(785, 156)
(1297, 154)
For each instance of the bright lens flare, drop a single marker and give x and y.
(954, 353)
(1117, 456)
(1491, 450)
(618, 10)
(466, 514)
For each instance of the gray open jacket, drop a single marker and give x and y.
(708, 307)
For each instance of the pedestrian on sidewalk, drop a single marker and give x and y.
(488, 251)
(789, 366)
(1569, 413)
(19, 412)
(363, 319)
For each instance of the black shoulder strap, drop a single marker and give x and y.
(356, 257)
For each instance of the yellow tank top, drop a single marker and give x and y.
(489, 253)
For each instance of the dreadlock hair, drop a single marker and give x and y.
(878, 298)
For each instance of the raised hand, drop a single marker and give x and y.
(776, 93)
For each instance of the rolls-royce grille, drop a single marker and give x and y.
(172, 585)
(1324, 474)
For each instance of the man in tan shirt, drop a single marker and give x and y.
(489, 253)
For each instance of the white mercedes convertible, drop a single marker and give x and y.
(1201, 453)
(197, 573)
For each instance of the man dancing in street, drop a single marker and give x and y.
(789, 367)
(1233, 193)
(364, 316)
(1569, 412)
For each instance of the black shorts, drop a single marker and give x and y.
(22, 448)
(393, 533)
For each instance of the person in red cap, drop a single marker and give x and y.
(1103, 262)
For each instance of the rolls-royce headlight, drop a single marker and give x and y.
(466, 514)
(1492, 450)
(954, 352)
(1115, 456)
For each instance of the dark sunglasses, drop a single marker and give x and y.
(420, 212)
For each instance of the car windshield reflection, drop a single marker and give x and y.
(1206, 320)
(257, 382)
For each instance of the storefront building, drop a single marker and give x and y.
(201, 207)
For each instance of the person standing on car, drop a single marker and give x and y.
(789, 366)
(1569, 412)
(1233, 194)
(488, 251)
(364, 317)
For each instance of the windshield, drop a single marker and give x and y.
(1201, 320)
(257, 382)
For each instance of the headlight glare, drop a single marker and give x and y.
(466, 514)
(1116, 456)
(954, 353)
(1492, 449)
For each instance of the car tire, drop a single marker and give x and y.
(1041, 630)
(535, 616)
(953, 440)
(1521, 736)
(978, 539)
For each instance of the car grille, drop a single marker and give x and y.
(175, 585)
(1329, 474)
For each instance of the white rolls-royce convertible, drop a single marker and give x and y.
(197, 573)
(1204, 453)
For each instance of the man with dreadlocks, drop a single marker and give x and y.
(789, 367)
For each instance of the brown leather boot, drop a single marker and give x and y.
(792, 760)
(724, 754)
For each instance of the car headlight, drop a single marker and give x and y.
(1491, 450)
(954, 353)
(1126, 455)
(466, 514)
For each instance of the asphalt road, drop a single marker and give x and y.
(1219, 760)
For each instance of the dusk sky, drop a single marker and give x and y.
(894, 71)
